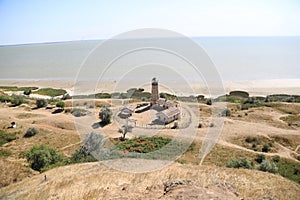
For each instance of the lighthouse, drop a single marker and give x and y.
(154, 91)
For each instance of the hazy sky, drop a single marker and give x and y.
(50, 21)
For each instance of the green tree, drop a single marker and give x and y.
(209, 102)
(105, 115)
(27, 92)
(60, 104)
(30, 132)
(42, 158)
(41, 103)
(82, 155)
(226, 113)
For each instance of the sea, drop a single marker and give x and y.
(203, 60)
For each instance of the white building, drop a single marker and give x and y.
(127, 110)
(168, 115)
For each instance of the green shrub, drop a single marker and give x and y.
(289, 169)
(81, 156)
(209, 102)
(5, 98)
(42, 158)
(30, 132)
(250, 139)
(4, 153)
(276, 159)
(143, 144)
(16, 100)
(40, 103)
(27, 92)
(14, 88)
(226, 113)
(102, 96)
(268, 166)
(239, 163)
(266, 148)
(60, 104)
(105, 115)
(50, 92)
(260, 158)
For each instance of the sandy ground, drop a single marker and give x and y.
(63, 132)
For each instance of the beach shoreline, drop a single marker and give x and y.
(253, 87)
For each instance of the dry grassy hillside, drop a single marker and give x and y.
(96, 181)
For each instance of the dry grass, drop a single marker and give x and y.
(11, 172)
(58, 131)
(292, 120)
(28, 115)
(100, 182)
(287, 108)
(288, 141)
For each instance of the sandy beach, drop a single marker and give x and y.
(253, 87)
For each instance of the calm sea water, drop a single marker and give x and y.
(236, 58)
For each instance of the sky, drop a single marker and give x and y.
(30, 21)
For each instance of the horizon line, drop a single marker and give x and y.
(103, 39)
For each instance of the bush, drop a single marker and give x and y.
(199, 125)
(102, 96)
(289, 169)
(265, 148)
(40, 103)
(78, 112)
(82, 155)
(143, 144)
(105, 115)
(250, 139)
(4, 153)
(30, 132)
(42, 158)
(226, 112)
(260, 158)
(276, 159)
(268, 166)
(16, 100)
(239, 163)
(60, 104)
(27, 92)
(5, 98)
(50, 92)
(208, 102)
